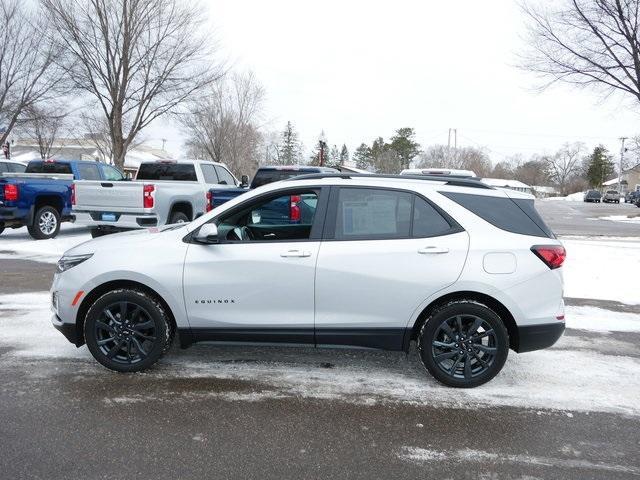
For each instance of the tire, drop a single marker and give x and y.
(479, 361)
(179, 217)
(132, 346)
(46, 223)
(97, 232)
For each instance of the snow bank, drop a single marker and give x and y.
(602, 269)
(600, 320)
(19, 244)
(560, 378)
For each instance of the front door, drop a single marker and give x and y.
(386, 251)
(257, 284)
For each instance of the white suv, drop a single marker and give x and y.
(370, 261)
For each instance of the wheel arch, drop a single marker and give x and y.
(103, 288)
(487, 300)
(183, 206)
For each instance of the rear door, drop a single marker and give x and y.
(385, 251)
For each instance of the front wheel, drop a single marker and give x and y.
(127, 330)
(463, 344)
(179, 217)
(46, 224)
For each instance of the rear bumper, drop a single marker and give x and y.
(12, 216)
(123, 221)
(537, 337)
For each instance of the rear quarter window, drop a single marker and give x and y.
(516, 216)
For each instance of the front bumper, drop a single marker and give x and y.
(123, 221)
(537, 337)
(69, 330)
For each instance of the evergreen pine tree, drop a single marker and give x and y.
(344, 154)
(599, 167)
(289, 150)
(362, 157)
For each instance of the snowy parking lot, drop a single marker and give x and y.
(581, 391)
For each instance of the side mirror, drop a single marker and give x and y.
(207, 234)
(244, 181)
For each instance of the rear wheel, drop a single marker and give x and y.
(463, 344)
(127, 330)
(179, 217)
(46, 223)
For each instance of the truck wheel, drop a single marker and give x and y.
(127, 330)
(46, 224)
(179, 217)
(463, 344)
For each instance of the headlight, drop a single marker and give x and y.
(67, 262)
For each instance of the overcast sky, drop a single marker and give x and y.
(361, 69)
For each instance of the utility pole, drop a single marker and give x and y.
(455, 143)
(622, 149)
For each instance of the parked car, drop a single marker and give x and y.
(632, 196)
(592, 196)
(611, 196)
(10, 166)
(41, 197)
(164, 192)
(264, 175)
(377, 262)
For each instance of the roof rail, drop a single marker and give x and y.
(473, 182)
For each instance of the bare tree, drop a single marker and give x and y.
(468, 158)
(586, 43)
(26, 64)
(45, 125)
(565, 164)
(138, 59)
(224, 125)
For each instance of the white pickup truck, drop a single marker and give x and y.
(164, 192)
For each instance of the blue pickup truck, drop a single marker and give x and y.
(41, 197)
(264, 175)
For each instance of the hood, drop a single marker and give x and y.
(125, 240)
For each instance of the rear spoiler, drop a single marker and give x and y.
(51, 176)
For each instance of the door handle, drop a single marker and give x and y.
(432, 249)
(269, 235)
(295, 253)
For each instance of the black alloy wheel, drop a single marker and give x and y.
(464, 344)
(127, 330)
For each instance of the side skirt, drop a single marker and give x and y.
(374, 338)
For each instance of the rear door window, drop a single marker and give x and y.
(182, 172)
(369, 214)
(427, 221)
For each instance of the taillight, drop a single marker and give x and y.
(294, 209)
(147, 196)
(73, 194)
(11, 193)
(552, 255)
(209, 203)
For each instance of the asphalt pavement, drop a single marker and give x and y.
(64, 418)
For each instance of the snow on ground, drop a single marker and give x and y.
(574, 197)
(17, 243)
(561, 378)
(425, 456)
(600, 320)
(622, 218)
(602, 269)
